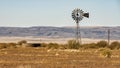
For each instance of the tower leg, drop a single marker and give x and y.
(77, 33)
(108, 37)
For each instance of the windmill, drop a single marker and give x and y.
(78, 15)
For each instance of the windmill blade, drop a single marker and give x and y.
(86, 15)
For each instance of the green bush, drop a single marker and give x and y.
(63, 46)
(53, 45)
(11, 45)
(114, 45)
(73, 44)
(87, 46)
(44, 45)
(102, 44)
(7, 45)
(22, 42)
(105, 52)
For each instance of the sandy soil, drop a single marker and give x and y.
(46, 40)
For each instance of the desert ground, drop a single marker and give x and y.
(42, 57)
(47, 40)
(49, 58)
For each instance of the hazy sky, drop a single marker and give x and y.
(58, 12)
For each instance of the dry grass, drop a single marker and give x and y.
(55, 55)
(41, 57)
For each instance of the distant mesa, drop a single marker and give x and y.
(63, 32)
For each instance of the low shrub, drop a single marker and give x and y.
(44, 44)
(73, 44)
(87, 46)
(53, 45)
(3, 45)
(105, 52)
(63, 46)
(114, 45)
(11, 45)
(101, 44)
(22, 42)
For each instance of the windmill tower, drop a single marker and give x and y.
(78, 15)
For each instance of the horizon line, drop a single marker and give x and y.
(61, 26)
